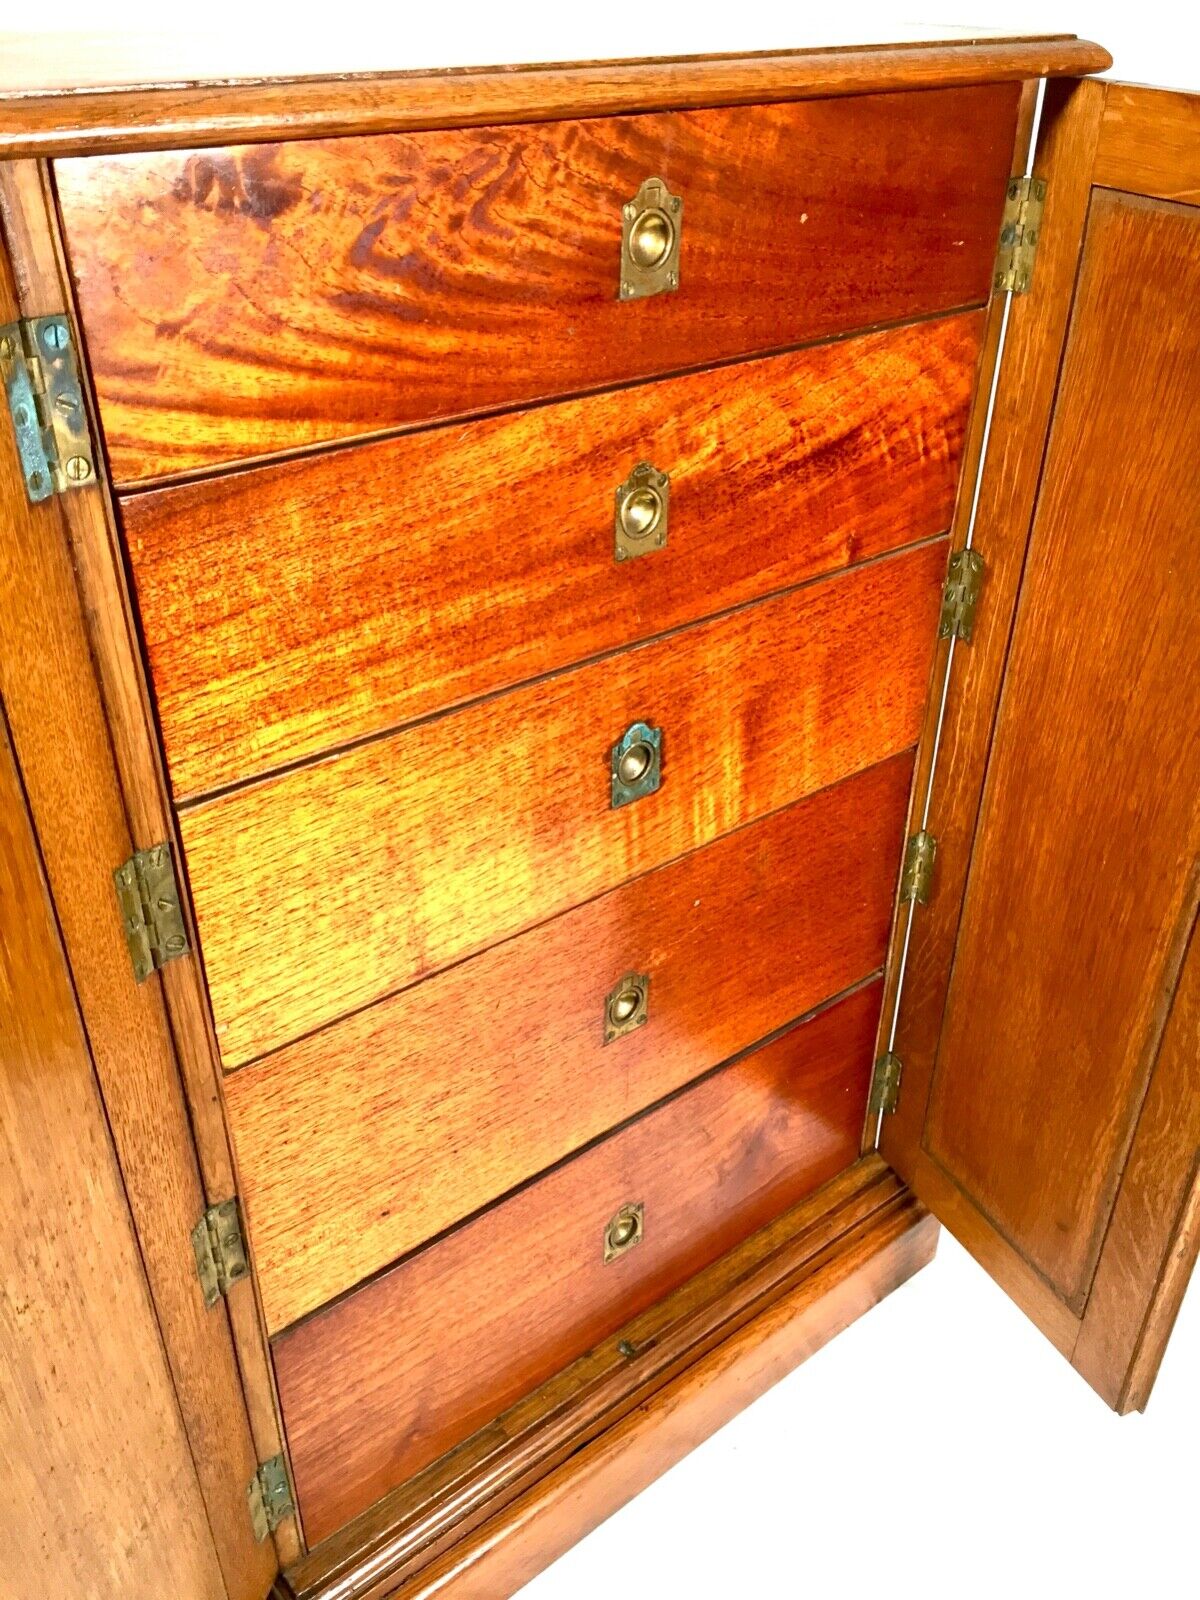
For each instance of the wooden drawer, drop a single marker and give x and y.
(305, 605)
(364, 1140)
(380, 1384)
(328, 887)
(249, 300)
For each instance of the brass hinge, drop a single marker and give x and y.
(964, 580)
(220, 1250)
(1020, 229)
(149, 900)
(917, 877)
(269, 1497)
(45, 402)
(885, 1083)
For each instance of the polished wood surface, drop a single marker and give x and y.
(1150, 143)
(350, 1143)
(784, 1290)
(380, 1384)
(1037, 1086)
(185, 114)
(442, 839)
(1154, 1236)
(90, 1431)
(62, 742)
(407, 277)
(285, 611)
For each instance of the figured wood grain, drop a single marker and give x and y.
(284, 614)
(62, 741)
(350, 1144)
(154, 116)
(1151, 1245)
(415, 1525)
(425, 847)
(90, 1431)
(407, 277)
(1150, 143)
(385, 1381)
(1038, 1086)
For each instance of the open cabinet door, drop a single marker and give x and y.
(1049, 1023)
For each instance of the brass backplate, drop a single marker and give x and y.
(636, 763)
(624, 1231)
(643, 504)
(627, 1006)
(651, 226)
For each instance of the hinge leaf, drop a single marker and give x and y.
(885, 1084)
(219, 1246)
(916, 880)
(269, 1497)
(1020, 230)
(960, 597)
(45, 402)
(148, 897)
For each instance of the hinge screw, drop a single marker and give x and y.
(78, 469)
(56, 336)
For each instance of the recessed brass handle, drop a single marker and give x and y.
(643, 508)
(636, 763)
(651, 224)
(626, 1006)
(624, 1231)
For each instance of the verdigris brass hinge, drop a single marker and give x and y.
(964, 580)
(885, 1083)
(220, 1250)
(269, 1497)
(149, 900)
(45, 402)
(917, 878)
(1020, 229)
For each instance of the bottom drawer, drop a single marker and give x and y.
(379, 1384)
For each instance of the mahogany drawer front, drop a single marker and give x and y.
(380, 1384)
(257, 299)
(300, 606)
(367, 1139)
(327, 887)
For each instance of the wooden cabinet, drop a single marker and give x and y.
(647, 612)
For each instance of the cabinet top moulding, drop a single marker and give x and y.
(36, 120)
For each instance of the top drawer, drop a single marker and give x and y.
(251, 300)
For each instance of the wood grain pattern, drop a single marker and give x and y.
(1150, 143)
(283, 614)
(156, 117)
(414, 1526)
(407, 277)
(62, 742)
(350, 1143)
(453, 834)
(1152, 1241)
(1037, 1087)
(385, 1381)
(87, 1400)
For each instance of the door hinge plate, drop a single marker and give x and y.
(917, 877)
(269, 1497)
(885, 1083)
(964, 580)
(220, 1249)
(45, 402)
(1020, 229)
(148, 896)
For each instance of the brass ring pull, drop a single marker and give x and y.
(643, 506)
(626, 1006)
(651, 224)
(636, 763)
(624, 1231)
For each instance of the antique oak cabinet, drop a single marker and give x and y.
(600, 730)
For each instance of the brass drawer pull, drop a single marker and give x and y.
(636, 763)
(624, 1231)
(626, 1006)
(651, 224)
(643, 506)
